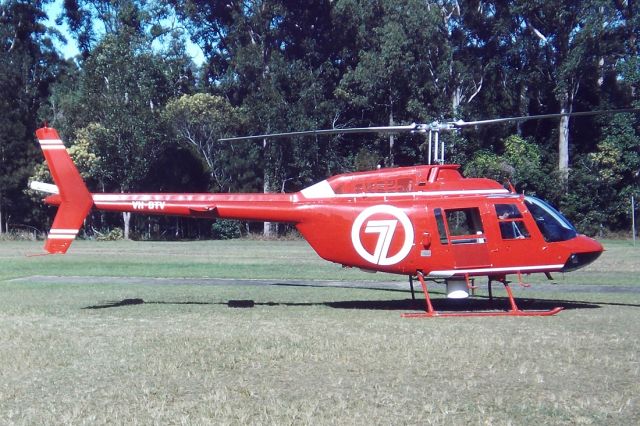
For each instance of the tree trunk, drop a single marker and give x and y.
(266, 188)
(522, 106)
(566, 105)
(391, 137)
(601, 72)
(456, 100)
(126, 218)
(1, 218)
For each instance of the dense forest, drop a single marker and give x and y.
(140, 115)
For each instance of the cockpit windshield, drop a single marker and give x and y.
(553, 226)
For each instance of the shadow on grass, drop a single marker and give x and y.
(357, 287)
(440, 304)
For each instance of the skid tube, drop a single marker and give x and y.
(514, 311)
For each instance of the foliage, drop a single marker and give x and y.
(140, 115)
(365, 160)
(114, 234)
(605, 180)
(28, 65)
(226, 229)
(274, 60)
(520, 164)
(199, 120)
(122, 85)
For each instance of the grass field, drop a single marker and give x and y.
(81, 353)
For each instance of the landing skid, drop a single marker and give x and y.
(514, 311)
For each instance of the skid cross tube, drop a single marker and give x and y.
(513, 311)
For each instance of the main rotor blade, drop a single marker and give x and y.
(436, 126)
(461, 123)
(383, 129)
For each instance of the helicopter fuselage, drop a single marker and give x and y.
(424, 221)
(400, 220)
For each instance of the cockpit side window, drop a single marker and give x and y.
(511, 224)
(507, 211)
(553, 226)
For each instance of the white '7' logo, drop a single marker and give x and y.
(386, 229)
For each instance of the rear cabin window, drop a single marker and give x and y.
(465, 225)
(511, 224)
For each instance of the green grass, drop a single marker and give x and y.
(222, 259)
(247, 258)
(302, 354)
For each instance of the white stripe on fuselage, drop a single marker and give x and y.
(317, 194)
(451, 272)
(319, 190)
(424, 193)
(323, 190)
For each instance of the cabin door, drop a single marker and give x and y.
(467, 238)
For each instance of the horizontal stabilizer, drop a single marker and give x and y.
(44, 187)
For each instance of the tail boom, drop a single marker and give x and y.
(74, 200)
(258, 207)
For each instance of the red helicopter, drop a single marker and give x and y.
(425, 221)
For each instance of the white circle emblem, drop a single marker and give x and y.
(385, 228)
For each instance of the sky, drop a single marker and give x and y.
(70, 49)
(53, 10)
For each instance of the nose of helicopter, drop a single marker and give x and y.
(584, 250)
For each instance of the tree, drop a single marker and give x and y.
(272, 58)
(123, 86)
(521, 164)
(28, 65)
(564, 36)
(282, 66)
(613, 176)
(123, 89)
(90, 20)
(199, 120)
(392, 61)
(628, 43)
(417, 63)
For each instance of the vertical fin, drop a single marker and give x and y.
(75, 199)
